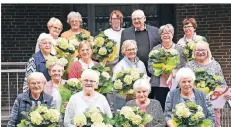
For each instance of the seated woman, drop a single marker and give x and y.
(52, 87)
(185, 77)
(86, 98)
(142, 88)
(31, 98)
(38, 60)
(130, 60)
(85, 61)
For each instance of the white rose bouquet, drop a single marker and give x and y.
(131, 117)
(189, 114)
(92, 116)
(105, 80)
(163, 61)
(55, 59)
(104, 49)
(40, 116)
(123, 82)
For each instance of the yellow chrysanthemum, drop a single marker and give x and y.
(36, 118)
(99, 41)
(128, 79)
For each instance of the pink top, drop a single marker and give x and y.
(75, 70)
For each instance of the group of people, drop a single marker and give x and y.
(134, 45)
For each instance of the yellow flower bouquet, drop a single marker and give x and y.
(40, 116)
(104, 49)
(189, 114)
(131, 117)
(124, 80)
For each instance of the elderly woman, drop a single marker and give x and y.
(52, 87)
(203, 59)
(114, 33)
(142, 88)
(31, 98)
(185, 78)
(160, 87)
(85, 61)
(189, 27)
(55, 27)
(74, 19)
(86, 98)
(38, 61)
(130, 60)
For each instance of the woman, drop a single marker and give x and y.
(189, 27)
(52, 87)
(85, 61)
(86, 98)
(38, 61)
(142, 88)
(55, 27)
(29, 99)
(114, 33)
(130, 60)
(185, 77)
(160, 87)
(74, 19)
(203, 59)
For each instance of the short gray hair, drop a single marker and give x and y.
(207, 46)
(126, 43)
(53, 21)
(56, 63)
(74, 14)
(138, 11)
(36, 75)
(166, 27)
(44, 36)
(183, 73)
(142, 83)
(92, 73)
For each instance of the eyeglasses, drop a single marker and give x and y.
(186, 27)
(38, 83)
(115, 19)
(132, 49)
(75, 21)
(90, 81)
(57, 28)
(203, 52)
(137, 18)
(166, 33)
(56, 71)
(46, 43)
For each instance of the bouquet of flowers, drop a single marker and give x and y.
(163, 61)
(190, 47)
(104, 49)
(131, 117)
(190, 114)
(40, 116)
(55, 59)
(207, 82)
(71, 87)
(124, 80)
(92, 116)
(105, 84)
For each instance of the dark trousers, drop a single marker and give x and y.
(160, 94)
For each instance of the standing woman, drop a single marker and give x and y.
(160, 88)
(38, 60)
(85, 61)
(55, 27)
(114, 33)
(189, 27)
(74, 19)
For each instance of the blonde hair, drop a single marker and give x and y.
(207, 47)
(74, 14)
(53, 21)
(127, 43)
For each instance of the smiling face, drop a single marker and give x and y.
(45, 46)
(85, 51)
(186, 85)
(115, 22)
(141, 95)
(130, 51)
(36, 85)
(55, 30)
(138, 20)
(89, 84)
(56, 72)
(189, 29)
(166, 36)
(201, 52)
(75, 23)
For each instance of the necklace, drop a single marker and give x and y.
(167, 48)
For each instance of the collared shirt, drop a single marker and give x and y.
(145, 28)
(36, 102)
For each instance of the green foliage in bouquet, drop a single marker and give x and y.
(190, 114)
(92, 116)
(124, 80)
(105, 80)
(163, 61)
(40, 116)
(104, 49)
(55, 59)
(207, 82)
(131, 117)
(71, 87)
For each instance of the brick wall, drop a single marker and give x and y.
(214, 22)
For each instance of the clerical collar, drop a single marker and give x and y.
(145, 28)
